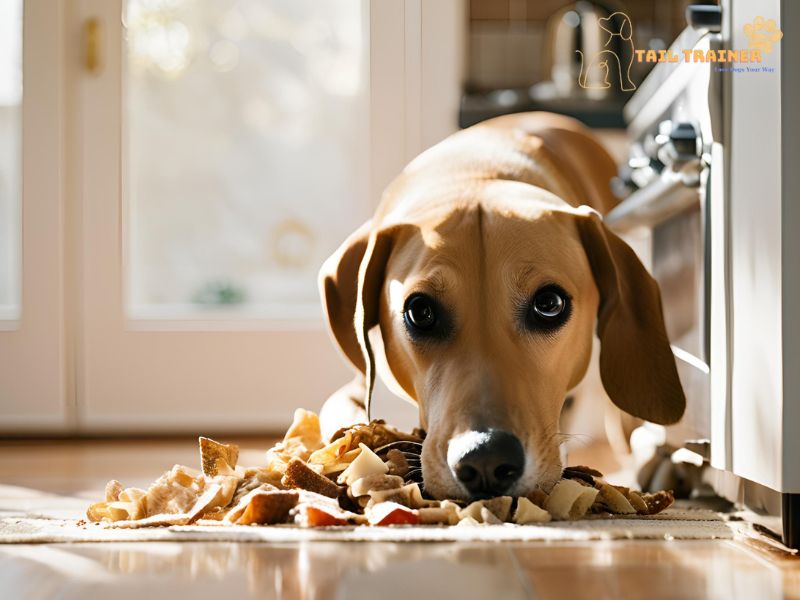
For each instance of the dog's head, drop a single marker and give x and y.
(486, 317)
(617, 23)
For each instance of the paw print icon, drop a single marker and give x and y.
(762, 33)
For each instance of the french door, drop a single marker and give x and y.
(208, 157)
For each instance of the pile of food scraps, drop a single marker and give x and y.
(365, 475)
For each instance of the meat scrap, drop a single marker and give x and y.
(392, 513)
(368, 474)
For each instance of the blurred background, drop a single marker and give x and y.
(174, 172)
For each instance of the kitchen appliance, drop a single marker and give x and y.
(710, 183)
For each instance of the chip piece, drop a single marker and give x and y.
(409, 495)
(500, 507)
(374, 483)
(445, 514)
(635, 498)
(366, 463)
(613, 499)
(527, 512)
(113, 490)
(569, 500)
(217, 458)
(299, 475)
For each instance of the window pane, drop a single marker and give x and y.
(10, 155)
(246, 133)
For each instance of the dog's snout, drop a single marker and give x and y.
(486, 463)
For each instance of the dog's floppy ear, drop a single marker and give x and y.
(637, 366)
(626, 31)
(338, 288)
(350, 283)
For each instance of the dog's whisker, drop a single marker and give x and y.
(403, 446)
(581, 439)
(414, 475)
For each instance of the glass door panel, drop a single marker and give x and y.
(10, 156)
(245, 152)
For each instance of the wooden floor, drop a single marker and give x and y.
(613, 569)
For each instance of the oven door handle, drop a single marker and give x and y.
(674, 191)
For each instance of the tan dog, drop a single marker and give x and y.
(484, 271)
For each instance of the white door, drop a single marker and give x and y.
(34, 374)
(207, 158)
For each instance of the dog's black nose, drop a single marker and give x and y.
(487, 463)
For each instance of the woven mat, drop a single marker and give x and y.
(31, 516)
(672, 524)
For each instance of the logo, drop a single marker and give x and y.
(617, 30)
(618, 25)
(762, 33)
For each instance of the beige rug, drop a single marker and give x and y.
(672, 524)
(30, 516)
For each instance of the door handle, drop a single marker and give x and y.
(92, 39)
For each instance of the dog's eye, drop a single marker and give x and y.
(549, 308)
(420, 312)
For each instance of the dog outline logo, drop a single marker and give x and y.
(601, 59)
(762, 34)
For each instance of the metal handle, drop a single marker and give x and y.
(702, 17)
(671, 193)
(92, 36)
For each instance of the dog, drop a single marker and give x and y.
(474, 292)
(618, 25)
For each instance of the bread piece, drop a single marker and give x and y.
(268, 507)
(299, 475)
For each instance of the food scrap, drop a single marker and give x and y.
(367, 474)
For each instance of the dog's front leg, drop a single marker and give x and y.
(343, 408)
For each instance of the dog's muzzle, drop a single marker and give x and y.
(486, 463)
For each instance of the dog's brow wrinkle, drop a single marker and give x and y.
(520, 278)
(434, 282)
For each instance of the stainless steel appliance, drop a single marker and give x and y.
(711, 180)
